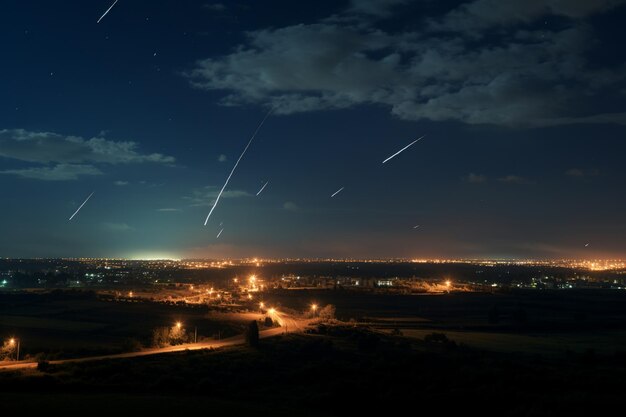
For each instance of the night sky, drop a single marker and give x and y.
(523, 104)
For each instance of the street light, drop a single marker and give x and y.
(179, 325)
(12, 342)
(314, 307)
(261, 304)
(271, 311)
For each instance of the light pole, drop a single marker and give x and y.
(12, 342)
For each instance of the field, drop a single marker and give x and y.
(339, 371)
(68, 324)
(518, 354)
(545, 322)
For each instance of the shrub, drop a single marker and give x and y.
(252, 334)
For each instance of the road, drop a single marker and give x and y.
(288, 324)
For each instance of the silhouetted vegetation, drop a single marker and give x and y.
(252, 334)
(348, 371)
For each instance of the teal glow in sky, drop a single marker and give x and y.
(522, 104)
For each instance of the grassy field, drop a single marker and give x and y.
(546, 322)
(66, 325)
(604, 342)
(339, 371)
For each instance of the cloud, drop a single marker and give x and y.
(475, 178)
(291, 206)
(168, 210)
(47, 147)
(214, 7)
(520, 75)
(482, 14)
(207, 195)
(60, 172)
(380, 8)
(222, 158)
(117, 227)
(121, 183)
(580, 173)
(514, 179)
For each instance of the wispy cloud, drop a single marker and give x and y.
(474, 178)
(117, 227)
(514, 179)
(63, 157)
(214, 7)
(206, 196)
(121, 183)
(48, 148)
(169, 210)
(580, 173)
(60, 172)
(290, 205)
(222, 158)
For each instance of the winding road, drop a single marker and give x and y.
(288, 324)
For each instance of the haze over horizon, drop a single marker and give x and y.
(522, 104)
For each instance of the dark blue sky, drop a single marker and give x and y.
(523, 104)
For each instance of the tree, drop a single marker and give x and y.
(327, 313)
(178, 335)
(252, 334)
(7, 350)
(161, 337)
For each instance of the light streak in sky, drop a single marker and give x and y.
(403, 149)
(235, 167)
(415, 227)
(108, 10)
(218, 235)
(81, 206)
(262, 188)
(337, 192)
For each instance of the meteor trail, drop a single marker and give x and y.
(237, 163)
(262, 188)
(403, 149)
(81, 206)
(337, 192)
(108, 10)
(218, 235)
